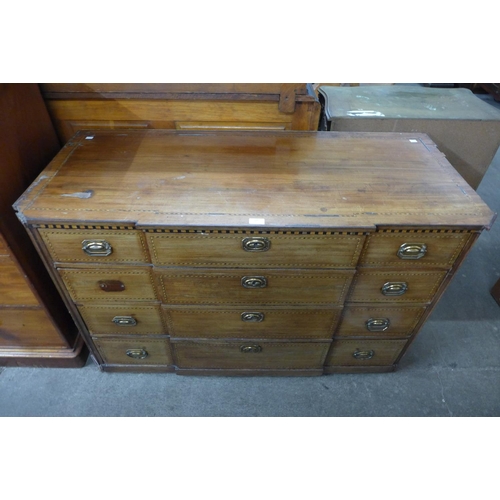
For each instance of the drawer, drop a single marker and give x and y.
(122, 319)
(413, 249)
(14, 289)
(252, 322)
(221, 249)
(258, 287)
(364, 352)
(395, 286)
(81, 245)
(28, 328)
(134, 351)
(359, 321)
(245, 355)
(118, 284)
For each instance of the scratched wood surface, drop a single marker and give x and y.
(248, 179)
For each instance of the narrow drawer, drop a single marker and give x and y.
(81, 245)
(251, 322)
(122, 319)
(359, 321)
(258, 287)
(247, 355)
(395, 286)
(364, 352)
(113, 285)
(413, 249)
(14, 289)
(28, 328)
(134, 351)
(220, 249)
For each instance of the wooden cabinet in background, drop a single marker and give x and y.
(182, 106)
(36, 328)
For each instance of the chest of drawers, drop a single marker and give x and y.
(290, 253)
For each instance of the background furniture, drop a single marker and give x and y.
(35, 326)
(184, 106)
(295, 253)
(465, 129)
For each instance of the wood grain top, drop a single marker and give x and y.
(253, 179)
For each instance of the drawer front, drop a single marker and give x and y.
(252, 322)
(249, 354)
(134, 351)
(395, 286)
(113, 285)
(364, 352)
(370, 321)
(122, 319)
(24, 328)
(254, 250)
(413, 249)
(259, 287)
(14, 289)
(80, 245)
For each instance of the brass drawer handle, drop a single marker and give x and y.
(111, 286)
(137, 353)
(392, 288)
(363, 354)
(412, 251)
(377, 324)
(124, 321)
(252, 317)
(251, 348)
(256, 244)
(254, 281)
(97, 248)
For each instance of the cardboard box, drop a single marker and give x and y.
(465, 128)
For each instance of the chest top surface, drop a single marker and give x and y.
(244, 179)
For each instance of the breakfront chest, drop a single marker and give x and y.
(251, 252)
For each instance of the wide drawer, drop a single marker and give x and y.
(14, 289)
(258, 287)
(251, 322)
(364, 352)
(134, 351)
(82, 245)
(359, 321)
(118, 284)
(395, 286)
(24, 328)
(121, 319)
(413, 249)
(225, 249)
(247, 355)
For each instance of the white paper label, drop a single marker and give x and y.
(257, 221)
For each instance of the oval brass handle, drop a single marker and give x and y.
(97, 248)
(251, 348)
(254, 281)
(412, 251)
(392, 288)
(363, 354)
(257, 244)
(137, 353)
(124, 321)
(377, 324)
(111, 285)
(252, 317)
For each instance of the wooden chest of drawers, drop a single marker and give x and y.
(293, 253)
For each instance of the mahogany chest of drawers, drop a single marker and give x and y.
(294, 253)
